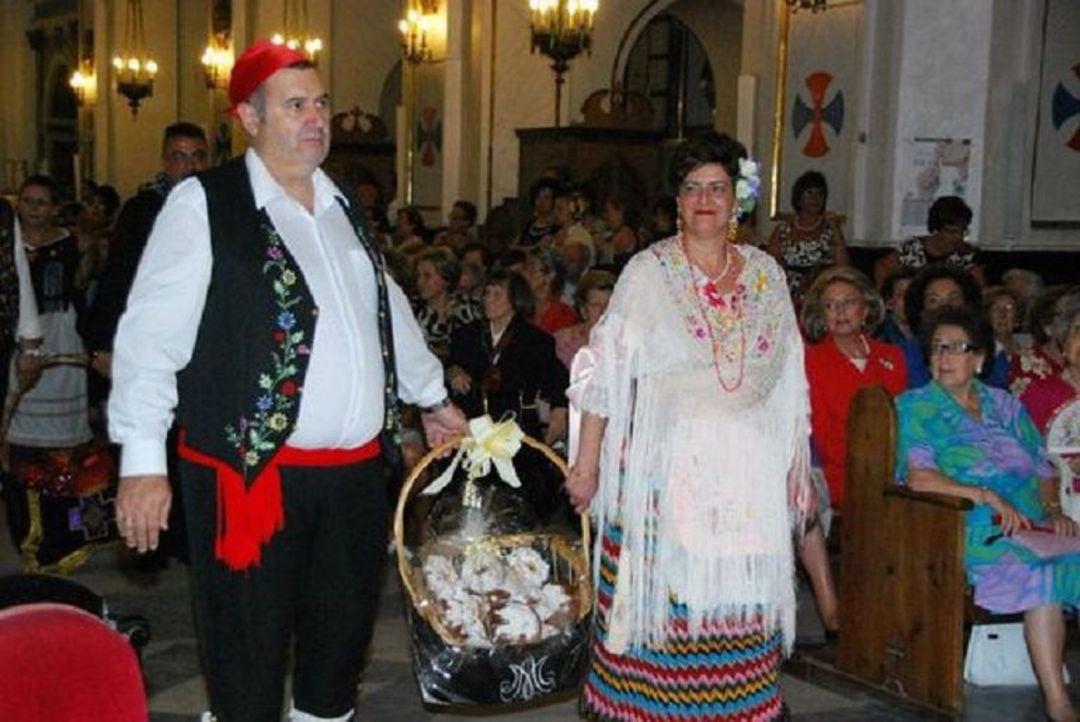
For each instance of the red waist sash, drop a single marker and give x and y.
(248, 516)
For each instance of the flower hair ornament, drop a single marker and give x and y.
(747, 186)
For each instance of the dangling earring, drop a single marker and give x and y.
(678, 223)
(732, 228)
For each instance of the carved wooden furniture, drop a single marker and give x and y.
(903, 592)
(361, 151)
(614, 150)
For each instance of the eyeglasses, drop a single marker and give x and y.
(713, 188)
(841, 304)
(952, 348)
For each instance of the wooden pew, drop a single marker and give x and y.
(903, 591)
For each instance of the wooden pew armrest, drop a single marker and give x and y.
(929, 497)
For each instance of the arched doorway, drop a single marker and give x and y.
(692, 85)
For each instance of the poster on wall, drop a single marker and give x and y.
(1054, 197)
(822, 83)
(939, 167)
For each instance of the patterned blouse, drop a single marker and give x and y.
(802, 253)
(913, 255)
(462, 309)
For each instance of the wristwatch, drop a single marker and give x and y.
(437, 406)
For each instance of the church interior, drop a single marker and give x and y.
(897, 103)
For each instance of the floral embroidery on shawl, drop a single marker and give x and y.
(264, 429)
(714, 319)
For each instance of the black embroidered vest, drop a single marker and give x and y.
(240, 394)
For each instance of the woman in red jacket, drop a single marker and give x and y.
(840, 311)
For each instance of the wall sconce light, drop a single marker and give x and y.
(814, 6)
(84, 82)
(217, 60)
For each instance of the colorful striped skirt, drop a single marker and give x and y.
(729, 672)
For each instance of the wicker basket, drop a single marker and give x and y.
(450, 672)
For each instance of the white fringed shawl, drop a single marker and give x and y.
(707, 483)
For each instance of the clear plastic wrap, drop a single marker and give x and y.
(497, 579)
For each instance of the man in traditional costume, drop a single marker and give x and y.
(261, 312)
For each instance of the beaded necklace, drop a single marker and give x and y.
(732, 319)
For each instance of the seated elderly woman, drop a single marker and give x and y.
(440, 309)
(1054, 402)
(934, 287)
(1003, 310)
(591, 299)
(1043, 359)
(961, 438)
(503, 363)
(840, 310)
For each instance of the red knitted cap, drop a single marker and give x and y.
(256, 64)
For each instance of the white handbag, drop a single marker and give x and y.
(997, 656)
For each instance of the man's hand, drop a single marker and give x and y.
(142, 510)
(443, 424)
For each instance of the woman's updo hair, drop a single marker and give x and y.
(970, 320)
(708, 147)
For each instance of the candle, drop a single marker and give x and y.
(76, 177)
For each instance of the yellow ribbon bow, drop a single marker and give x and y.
(488, 443)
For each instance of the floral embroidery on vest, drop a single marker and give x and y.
(264, 430)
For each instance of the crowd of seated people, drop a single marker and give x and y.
(507, 318)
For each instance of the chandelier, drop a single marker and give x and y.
(217, 60)
(135, 69)
(295, 35)
(814, 6)
(84, 82)
(561, 30)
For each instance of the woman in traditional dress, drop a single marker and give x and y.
(811, 238)
(694, 457)
(1054, 402)
(965, 439)
(841, 310)
(53, 414)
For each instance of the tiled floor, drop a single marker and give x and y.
(388, 692)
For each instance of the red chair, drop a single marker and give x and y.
(61, 664)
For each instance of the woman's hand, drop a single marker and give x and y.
(580, 485)
(556, 429)
(1061, 524)
(460, 381)
(1012, 521)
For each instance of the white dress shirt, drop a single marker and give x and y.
(342, 404)
(29, 326)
